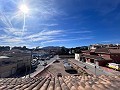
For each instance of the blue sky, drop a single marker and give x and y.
(67, 23)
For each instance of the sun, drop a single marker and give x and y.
(23, 8)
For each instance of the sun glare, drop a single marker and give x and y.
(24, 9)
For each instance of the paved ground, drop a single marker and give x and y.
(106, 69)
(54, 69)
(91, 68)
(111, 70)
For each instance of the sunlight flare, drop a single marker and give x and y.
(23, 8)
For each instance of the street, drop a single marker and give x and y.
(40, 67)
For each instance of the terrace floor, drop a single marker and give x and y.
(55, 68)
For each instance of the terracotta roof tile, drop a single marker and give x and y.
(62, 83)
(114, 51)
(102, 50)
(93, 56)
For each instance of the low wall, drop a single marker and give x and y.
(79, 68)
(38, 72)
(66, 56)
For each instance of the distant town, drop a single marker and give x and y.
(17, 60)
(58, 64)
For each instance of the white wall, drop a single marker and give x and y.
(77, 56)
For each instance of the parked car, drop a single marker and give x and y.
(114, 66)
(65, 61)
(51, 56)
(34, 65)
(47, 58)
(68, 66)
(45, 64)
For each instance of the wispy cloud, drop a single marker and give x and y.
(66, 40)
(12, 41)
(4, 19)
(37, 37)
(15, 40)
(45, 33)
(14, 31)
(53, 24)
(106, 41)
(43, 38)
(81, 32)
(45, 9)
(8, 26)
(111, 41)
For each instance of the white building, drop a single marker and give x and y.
(77, 56)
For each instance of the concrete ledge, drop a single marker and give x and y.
(66, 56)
(36, 73)
(77, 62)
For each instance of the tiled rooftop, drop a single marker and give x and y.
(61, 83)
(103, 50)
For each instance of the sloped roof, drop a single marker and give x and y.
(97, 57)
(106, 58)
(107, 50)
(93, 56)
(114, 51)
(102, 50)
(84, 51)
(61, 83)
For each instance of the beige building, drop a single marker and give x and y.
(12, 62)
(7, 70)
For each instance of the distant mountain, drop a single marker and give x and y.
(52, 47)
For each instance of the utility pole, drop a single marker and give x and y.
(30, 63)
(95, 70)
(26, 69)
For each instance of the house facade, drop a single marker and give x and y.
(11, 62)
(100, 56)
